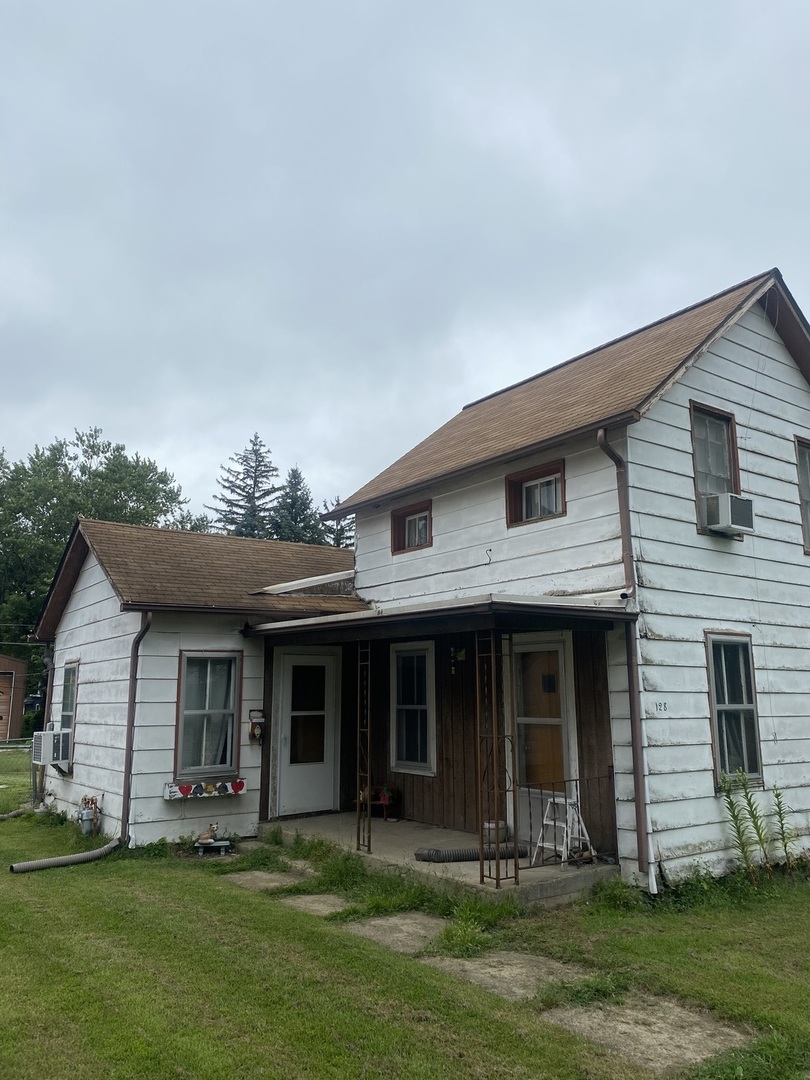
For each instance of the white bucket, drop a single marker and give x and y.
(494, 832)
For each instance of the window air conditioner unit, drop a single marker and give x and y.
(730, 514)
(51, 748)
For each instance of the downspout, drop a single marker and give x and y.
(38, 792)
(123, 839)
(643, 832)
(146, 622)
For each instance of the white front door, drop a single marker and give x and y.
(308, 725)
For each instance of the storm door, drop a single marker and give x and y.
(306, 775)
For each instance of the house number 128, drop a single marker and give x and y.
(661, 706)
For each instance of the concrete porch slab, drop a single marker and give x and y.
(394, 843)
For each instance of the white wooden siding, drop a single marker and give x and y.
(94, 633)
(156, 727)
(690, 584)
(474, 552)
(97, 635)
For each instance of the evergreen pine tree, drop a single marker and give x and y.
(247, 492)
(294, 516)
(338, 533)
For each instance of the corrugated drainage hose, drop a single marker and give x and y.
(13, 813)
(469, 854)
(65, 860)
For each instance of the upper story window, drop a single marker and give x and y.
(735, 728)
(535, 493)
(69, 684)
(411, 527)
(207, 737)
(714, 446)
(413, 719)
(803, 461)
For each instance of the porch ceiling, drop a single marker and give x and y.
(477, 613)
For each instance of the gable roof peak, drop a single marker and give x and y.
(607, 387)
(756, 279)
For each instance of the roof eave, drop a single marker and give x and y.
(67, 573)
(618, 420)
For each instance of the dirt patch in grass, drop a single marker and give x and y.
(257, 880)
(511, 975)
(655, 1032)
(319, 904)
(409, 932)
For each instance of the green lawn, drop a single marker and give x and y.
(15, 778)
(161, 967)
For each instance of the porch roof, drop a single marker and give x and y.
(486, 611)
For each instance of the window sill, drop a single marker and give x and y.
(203, 789)
(755, 783)
(413, 770)
(518, 522)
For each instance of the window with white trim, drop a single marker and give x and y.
(208, 729)
(69, 686)
(413, 720)
(735, 727)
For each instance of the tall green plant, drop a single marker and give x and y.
(785, 834)
(741, 831)
(757, 821)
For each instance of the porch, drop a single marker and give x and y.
(394, 845)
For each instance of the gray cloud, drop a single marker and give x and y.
(337, 223)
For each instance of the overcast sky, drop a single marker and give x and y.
(336, 222)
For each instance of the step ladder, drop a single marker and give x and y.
(563, 831)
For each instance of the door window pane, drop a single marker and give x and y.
(307, 738)
(308, 688)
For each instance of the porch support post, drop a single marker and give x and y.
(492, 751)
(363, 784)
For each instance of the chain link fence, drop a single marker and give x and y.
(15, 775)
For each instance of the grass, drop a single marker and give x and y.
(148, 965)
(15, 778)
(740, 951)
(159, 967)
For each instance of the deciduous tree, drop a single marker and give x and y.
(40, 499)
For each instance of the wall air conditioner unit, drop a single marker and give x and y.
(51, 748)
(730, 514)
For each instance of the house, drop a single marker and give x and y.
(575, 606)
(160, 694)
(12, 696)
(591, 597)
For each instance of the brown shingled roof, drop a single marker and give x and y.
(609, 386)
(154, 569)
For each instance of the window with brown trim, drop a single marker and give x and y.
(803, 464)
(535, 494)
(413, 708)
(735, 728)
(714, 449)
(411, 527)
